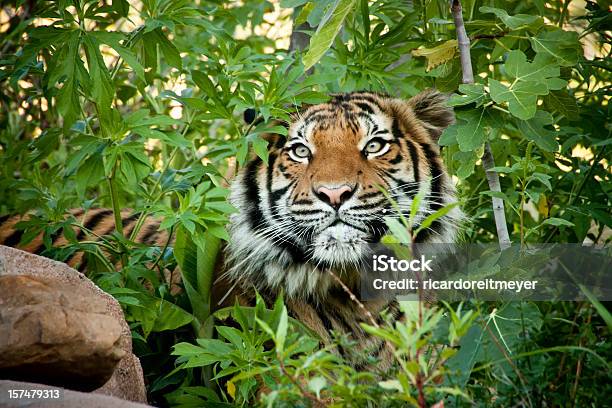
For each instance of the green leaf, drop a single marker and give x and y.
(470, 132)
(169, 50)
(186, 349)
(71, 68)
(543, 178)
(168, 316)
(172, 138)
(531, 79)
(432, 217)
(89, 173)
(219, 232)
(534, 129)
(467, 161)
(121, 7)
(327, 31)
(557, 222)
(513, 22)
(316, 384)
(496, 194)
(601, 309)
(563, 103)
(561, 45)
(281, 330)
(204, 83)
(102, 90)
(521, 97)
(292, 3)
(197, 266)
(543, 69)
(261, 148)
(472, 93)
(449, 136)
(398, 230)
(114, 40)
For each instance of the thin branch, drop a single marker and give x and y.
(488, 161)
(489, 36)
(317, 402)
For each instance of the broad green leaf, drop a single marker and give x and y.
(513, 22)
(467, 161)
(509, 325)
(534, 129)
(542, 178)
(219, 232)
(472, 93)
(187, 349)
(561, 45)
(543, 69)
(521, 97)
(449, 136)
(563, 103)
(171, 138)
(531, 79)
(327, 31)
(470, 132)
(163, 315)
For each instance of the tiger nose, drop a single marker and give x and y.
(335, 196)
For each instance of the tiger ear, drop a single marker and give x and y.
(432, 109)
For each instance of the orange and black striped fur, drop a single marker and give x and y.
(316, 206)
(97, 222)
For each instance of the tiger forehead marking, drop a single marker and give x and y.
(317, 203)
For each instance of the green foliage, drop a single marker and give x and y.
(138, 105)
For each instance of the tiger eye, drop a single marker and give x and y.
(374, 146)
(301, 151)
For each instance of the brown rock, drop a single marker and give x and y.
(57, 327)
(127, 381)
(56, 334)
(68, 398)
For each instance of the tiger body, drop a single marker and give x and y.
(307, 218)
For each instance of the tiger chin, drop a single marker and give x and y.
(317, 205)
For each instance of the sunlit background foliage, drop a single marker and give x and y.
(139, 104)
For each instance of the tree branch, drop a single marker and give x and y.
(488, 161)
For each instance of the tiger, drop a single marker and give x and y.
(306, 217)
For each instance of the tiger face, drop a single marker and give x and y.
(318, 203)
